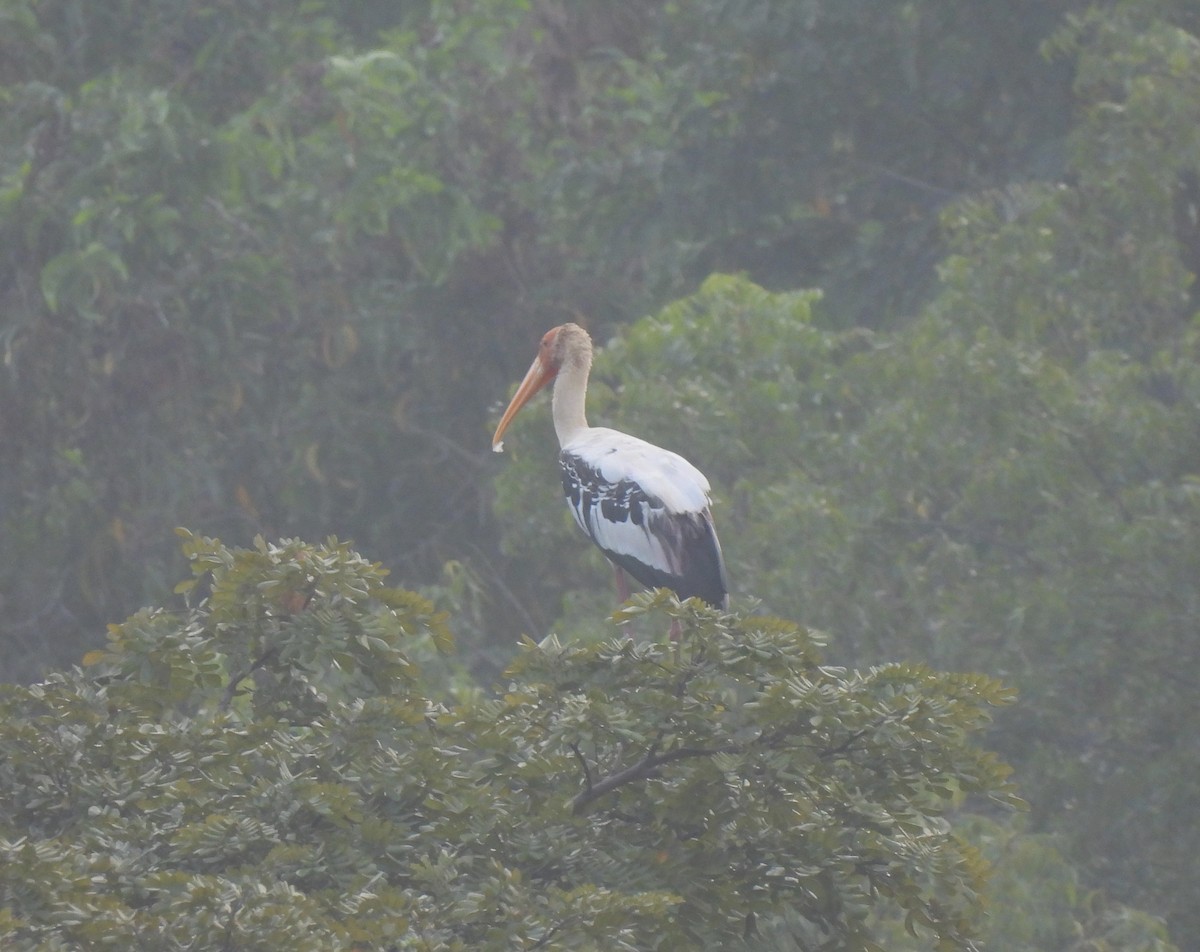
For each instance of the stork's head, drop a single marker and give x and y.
(567, 345)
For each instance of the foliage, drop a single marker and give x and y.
(271, 768)
(840, 129)
(1035, 902)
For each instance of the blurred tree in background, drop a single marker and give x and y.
(267, 268)
(268, 271)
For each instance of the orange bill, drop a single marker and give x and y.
(535, 379)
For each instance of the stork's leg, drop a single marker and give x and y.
(622, 584)
(623, 596)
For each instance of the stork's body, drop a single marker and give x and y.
(645, 507)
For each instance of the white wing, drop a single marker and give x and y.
(664, 476)
(647, 509)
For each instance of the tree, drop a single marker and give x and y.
(283, 763)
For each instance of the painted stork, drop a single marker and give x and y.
(645, 507)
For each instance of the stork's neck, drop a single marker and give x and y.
(567, 403)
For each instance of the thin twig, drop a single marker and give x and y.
(554, 930)
(230, 691)
(587, 771)
(846, 744)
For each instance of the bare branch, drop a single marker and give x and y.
(554, 930)
(646, 767)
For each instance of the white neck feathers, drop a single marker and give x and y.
(567, 403)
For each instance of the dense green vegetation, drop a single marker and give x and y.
(268, 771)
(912, 282)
